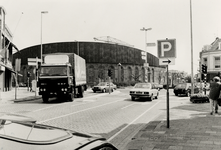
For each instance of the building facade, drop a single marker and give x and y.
(6, 48)
(211, 56)
(125, 62)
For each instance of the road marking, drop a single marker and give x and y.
(132, 122)
(127, 106)
(77, 112)
(47, 107)
(84, 99)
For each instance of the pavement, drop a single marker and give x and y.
(18, 95)
(189, 126)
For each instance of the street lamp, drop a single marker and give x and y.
(145, 29)
(119, 65)
(42, 12)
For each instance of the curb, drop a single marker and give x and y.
(30, 98)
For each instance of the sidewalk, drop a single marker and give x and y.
(22, 95)
(191, 127)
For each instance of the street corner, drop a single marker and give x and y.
(29, 98)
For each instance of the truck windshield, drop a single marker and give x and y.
(53, 71)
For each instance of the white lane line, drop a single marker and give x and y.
(77, 112)
(127, 106)
(55, 105)
(132, 122)
(84, 99)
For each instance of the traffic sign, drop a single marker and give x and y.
(166, 48)
(33, 61)
(166, 61)
(151, 44)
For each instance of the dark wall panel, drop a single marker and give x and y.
(92, 52)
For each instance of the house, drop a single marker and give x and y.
(211, 56)
(7, 72)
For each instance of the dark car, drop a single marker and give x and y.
(104, 87)
(22, 133)
(184, 89)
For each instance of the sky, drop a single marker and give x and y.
(84, 20)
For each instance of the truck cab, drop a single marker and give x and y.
(58, 80)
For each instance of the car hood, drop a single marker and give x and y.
(140, 89)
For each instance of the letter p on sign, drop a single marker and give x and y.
(166, 48)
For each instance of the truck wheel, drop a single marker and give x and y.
(81, 92)
(70, 97)
(45, 98)
(81, 95)
(132, 98)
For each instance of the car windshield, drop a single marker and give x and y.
(181, 86)
(32, 132)
(142, 86)
(102, 84)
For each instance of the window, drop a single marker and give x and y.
(217, 62)
(205, 61)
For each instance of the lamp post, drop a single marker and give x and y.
(191, 35)
(145, 42)
(119, 65)
(42, 12)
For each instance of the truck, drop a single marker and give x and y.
(62, 75)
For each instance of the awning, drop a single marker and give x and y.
(10, 69)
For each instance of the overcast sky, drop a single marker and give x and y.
(82, 20)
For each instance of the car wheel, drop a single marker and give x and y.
(156, 97)
(188, 94)
(151, 97)
(132, 98)
(94, 91)
(176, 94)
(104, 90)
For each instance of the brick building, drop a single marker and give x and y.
(99, 58)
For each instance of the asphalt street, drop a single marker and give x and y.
(113, 116)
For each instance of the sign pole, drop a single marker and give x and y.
(168, 120)
(109, 85)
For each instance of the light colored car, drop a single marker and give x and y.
(144, 90)
(104, 87)
(23, 133)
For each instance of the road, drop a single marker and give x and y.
(113, 116)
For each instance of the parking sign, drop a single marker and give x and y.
(166, 51)
(166, 48)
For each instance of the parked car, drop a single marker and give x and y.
(104, 87)
(184, 89)
(159, 86)
(144, 90)
(22, 133)
(203, 85)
